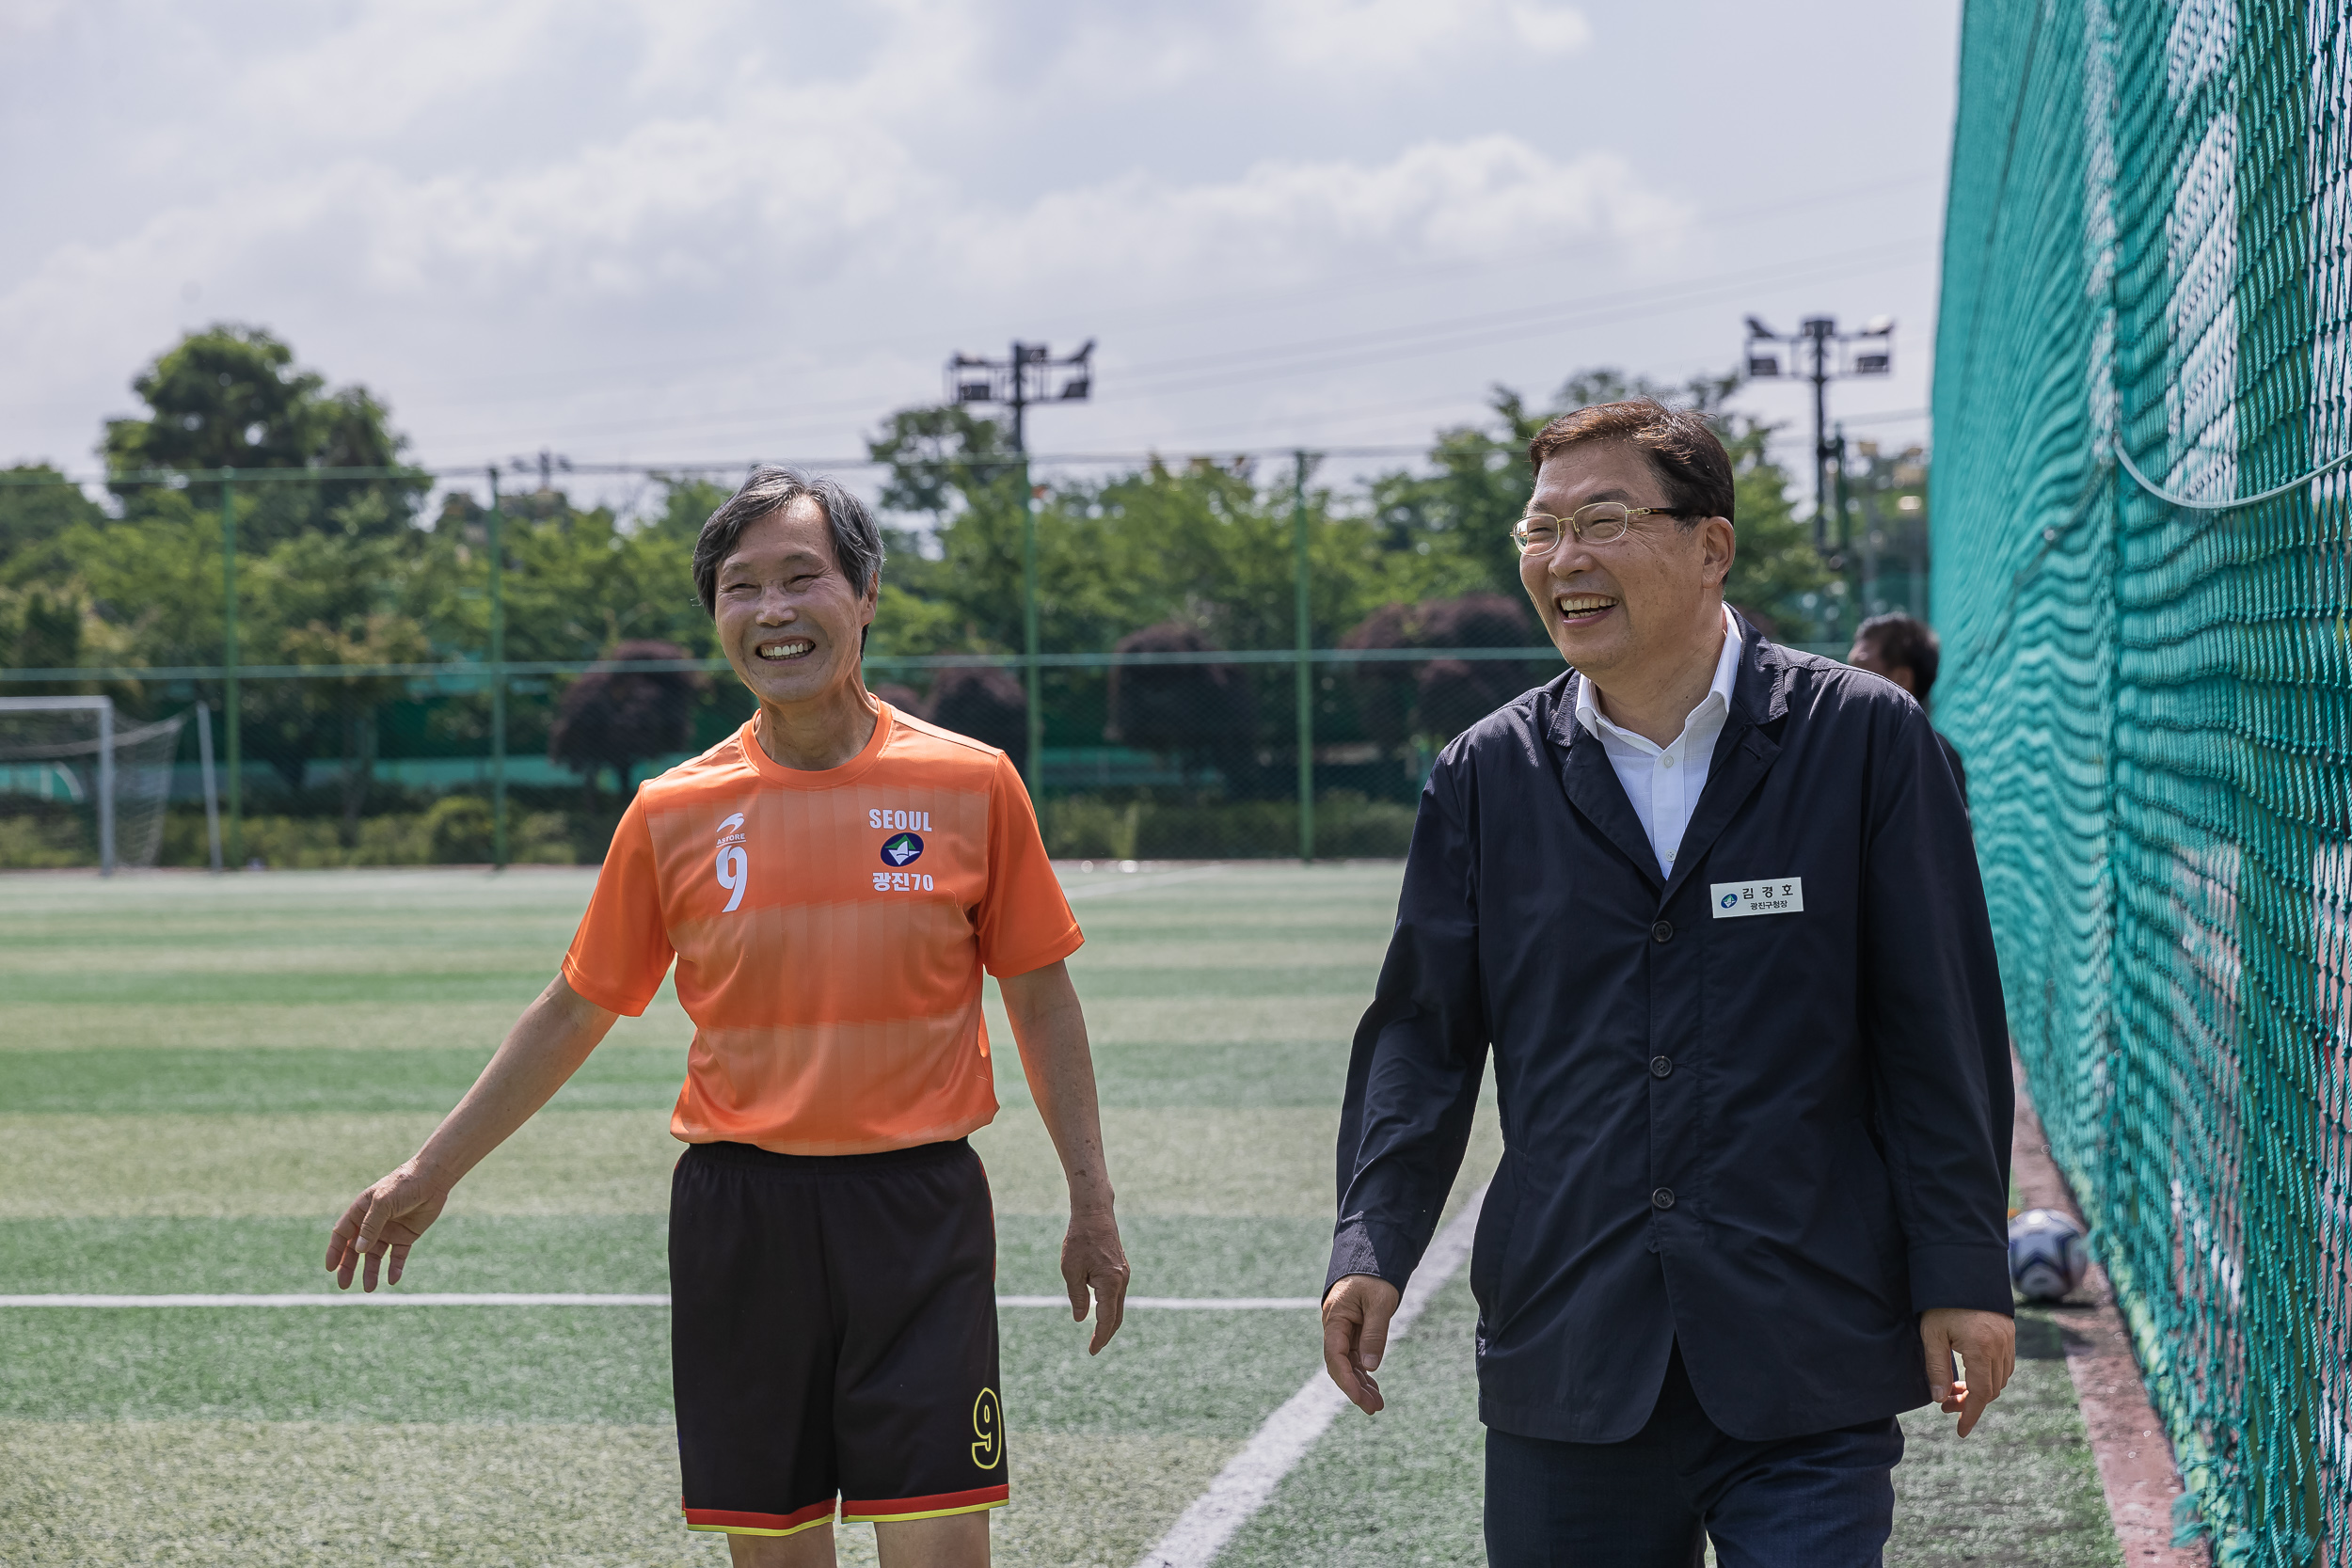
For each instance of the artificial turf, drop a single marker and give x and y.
(197, 1073)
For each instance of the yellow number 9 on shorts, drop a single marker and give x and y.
(988, 1425)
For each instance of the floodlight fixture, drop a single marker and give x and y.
(1031, 374)
(1820, 354)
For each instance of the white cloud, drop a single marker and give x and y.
(27, 17)
(1289, 222)
(1404, 35)
(1548, 29)
(822, 214)
(389, 65)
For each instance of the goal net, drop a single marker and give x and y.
(78, 788)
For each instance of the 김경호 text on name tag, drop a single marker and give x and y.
(1731, 900)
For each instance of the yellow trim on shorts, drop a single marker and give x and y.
(751, 1529)
(928, 1513)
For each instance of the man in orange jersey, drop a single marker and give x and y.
(830, 881)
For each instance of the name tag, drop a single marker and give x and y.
(1734, 899)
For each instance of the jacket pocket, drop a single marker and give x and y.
(1869, 1187)
(1491, 1242)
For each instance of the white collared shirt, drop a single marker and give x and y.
(1665, 783)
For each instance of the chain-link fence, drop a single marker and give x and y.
(1151, 754)
(2141, 570)
(1259, 670)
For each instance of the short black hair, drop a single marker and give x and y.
(1904, 642)
(857, 545)
(1679, 446)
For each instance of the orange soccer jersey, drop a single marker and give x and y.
(830, 929)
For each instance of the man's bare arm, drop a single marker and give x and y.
(1052, 1034)
(546, 1047)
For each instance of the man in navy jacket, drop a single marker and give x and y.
(1714, 906)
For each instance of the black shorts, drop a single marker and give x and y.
(833, 1333)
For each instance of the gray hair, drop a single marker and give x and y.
(857, 545)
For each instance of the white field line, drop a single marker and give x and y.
(1116, 882)
(1249, 1479)
(554, 1298)
(1184, 1304)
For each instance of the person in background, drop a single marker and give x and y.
(1905, 650)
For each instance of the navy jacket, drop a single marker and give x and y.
(1774, 1137)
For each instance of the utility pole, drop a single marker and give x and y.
(1834, 357)
(1028, 375)
(547, 463)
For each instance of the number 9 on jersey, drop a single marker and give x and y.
(733, 872)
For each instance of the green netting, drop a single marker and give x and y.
(2147, 316)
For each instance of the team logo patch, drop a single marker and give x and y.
(901, 850)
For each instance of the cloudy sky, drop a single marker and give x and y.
(671, 230)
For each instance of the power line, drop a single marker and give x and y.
(1356, 349)
(1180, 312)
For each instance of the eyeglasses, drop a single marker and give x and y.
(1601, 523)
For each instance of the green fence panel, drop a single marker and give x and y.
(2140, 570)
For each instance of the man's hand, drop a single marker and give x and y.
(1356, 1317)
(545, 1046)
(384, 1221)
(1987, 1342)
(1092, 1260)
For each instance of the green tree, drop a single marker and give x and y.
(1464, 510)
(943, 460)
(325, 600)
(1481, 483)
(232, 397)
(579, 581)
(37, 509)
(1201, 544)
(350, 705)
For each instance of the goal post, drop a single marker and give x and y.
(102, 709)
(75, 745)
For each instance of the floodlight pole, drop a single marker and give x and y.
(1306, 683)
(1014, 392)
(1819, 337)
(497, 546)
(1028, 577)
(1821, 331)
(233, 731)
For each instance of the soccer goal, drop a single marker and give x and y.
(69, 774)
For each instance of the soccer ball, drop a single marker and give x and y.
(2046, 1255)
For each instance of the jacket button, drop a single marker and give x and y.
(1662, 1198)
(1663, 931)
(1660, 1065)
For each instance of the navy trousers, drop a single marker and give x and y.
(1826, 1500)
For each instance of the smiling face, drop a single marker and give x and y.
(790, 622)
(1631, 610)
